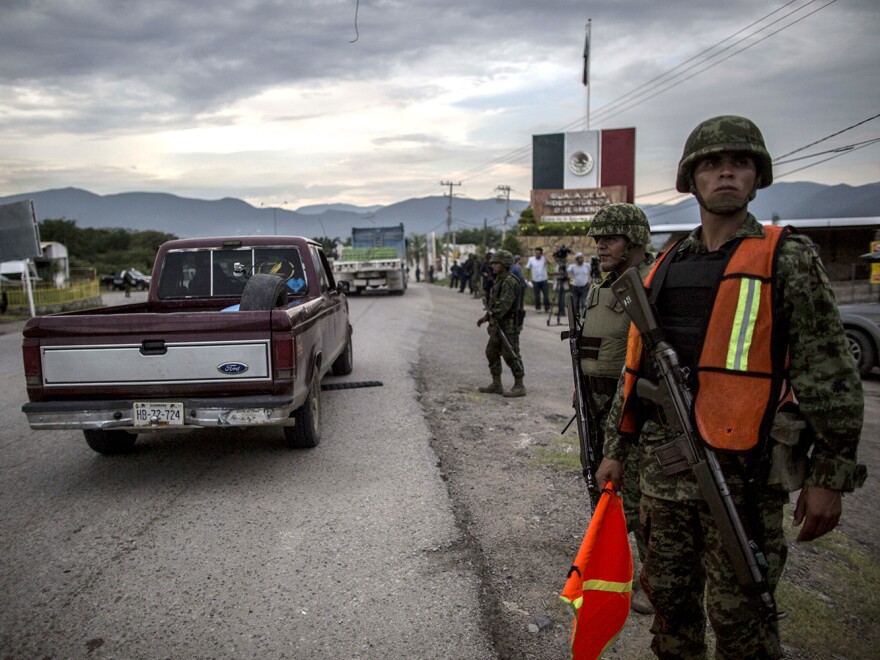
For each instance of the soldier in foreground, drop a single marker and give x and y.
(621, 232)
(750, 312)
(503, 313)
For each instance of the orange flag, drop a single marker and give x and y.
(599, 584)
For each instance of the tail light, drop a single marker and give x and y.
(33, 374)
(283, 349)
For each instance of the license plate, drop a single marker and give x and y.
(158, 414)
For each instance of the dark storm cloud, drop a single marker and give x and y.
(205, 54)
(98, 69)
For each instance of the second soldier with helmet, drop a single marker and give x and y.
(622, 233)
(505, 317)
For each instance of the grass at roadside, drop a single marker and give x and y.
(9, 317)
(830, 589)
(560, 453)
(831, 592)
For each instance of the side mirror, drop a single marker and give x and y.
(342, 287)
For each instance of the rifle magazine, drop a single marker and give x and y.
(671, 458)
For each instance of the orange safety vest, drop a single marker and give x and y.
(739, 375)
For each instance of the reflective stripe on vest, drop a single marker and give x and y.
(739, 377)
(743, 325)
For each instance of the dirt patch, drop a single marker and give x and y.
(518, 496)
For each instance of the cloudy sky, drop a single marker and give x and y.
(309, 101)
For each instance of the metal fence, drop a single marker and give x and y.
(48, 297)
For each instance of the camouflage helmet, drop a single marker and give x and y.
(502, 257)
(621, 220)
(725, 133)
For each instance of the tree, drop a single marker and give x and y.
(511, 244)
(149, 239)
(417, 249)
(327, 243)
(107, 250)
(527, 216)
(490, 236)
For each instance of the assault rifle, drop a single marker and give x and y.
(673, 396)
(585, 432)
(490, 318)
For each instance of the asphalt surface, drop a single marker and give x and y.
(225, 544)
(228, 545)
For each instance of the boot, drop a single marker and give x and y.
(639, 602)
(517, 390)
(494, 388)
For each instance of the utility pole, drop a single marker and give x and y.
(274, 217)
(448, 225)
(505, 191)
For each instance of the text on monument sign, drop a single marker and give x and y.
(574, 205)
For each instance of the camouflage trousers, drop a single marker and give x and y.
(686, 561)
(632, 492)
(495, 350)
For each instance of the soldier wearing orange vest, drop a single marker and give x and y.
(750, 311)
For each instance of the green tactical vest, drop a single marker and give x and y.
(606, 326)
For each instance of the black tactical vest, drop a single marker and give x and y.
(684, 294)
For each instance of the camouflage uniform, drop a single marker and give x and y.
(503, 299)
(612, 220)
(682, 537)
(600, 403)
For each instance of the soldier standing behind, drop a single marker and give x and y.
(503, 316)
(751, 313)
(621, 232)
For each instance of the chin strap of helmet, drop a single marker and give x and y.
(618, 267)
(726, 210)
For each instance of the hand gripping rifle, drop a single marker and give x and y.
(494, 322)
(689, 450)
(573, 334)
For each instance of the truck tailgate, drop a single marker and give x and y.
(156, 360)
(115, 350)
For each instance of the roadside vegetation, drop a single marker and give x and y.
(107, 250)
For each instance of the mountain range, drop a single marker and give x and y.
(186, 217)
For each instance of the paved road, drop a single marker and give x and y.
(227, 545)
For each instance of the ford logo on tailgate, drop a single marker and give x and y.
(232, 368)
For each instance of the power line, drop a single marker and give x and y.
(837, 153)
(848, 147)
(828, 137)
(644, 91)
(655, 87)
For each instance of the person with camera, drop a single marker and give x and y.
(537, 267)
(505, 317)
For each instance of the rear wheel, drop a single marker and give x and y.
(862, 350)
(343, 365)
(263, 292)
(306, 433)
(110, 442)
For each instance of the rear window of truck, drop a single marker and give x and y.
(222, 273)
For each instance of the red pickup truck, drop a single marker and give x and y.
(235, 332)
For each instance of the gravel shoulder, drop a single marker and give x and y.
(518, 496)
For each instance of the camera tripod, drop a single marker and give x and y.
(557, 301)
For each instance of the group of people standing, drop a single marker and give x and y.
(750, 312)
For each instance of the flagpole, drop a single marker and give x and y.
(587, 46)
